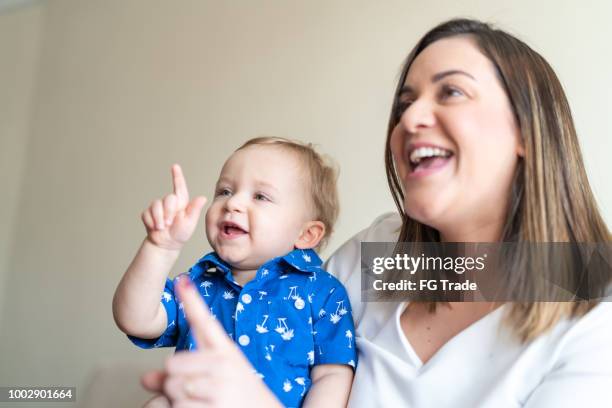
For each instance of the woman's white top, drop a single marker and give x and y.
(482, 366)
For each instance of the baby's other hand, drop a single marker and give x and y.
(170, 221)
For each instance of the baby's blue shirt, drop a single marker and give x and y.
(291, 316)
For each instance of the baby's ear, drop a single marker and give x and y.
(312, 233)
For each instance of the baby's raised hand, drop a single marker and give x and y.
(170, 222)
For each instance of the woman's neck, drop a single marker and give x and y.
(486, 232)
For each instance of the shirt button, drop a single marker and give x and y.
(246, 298)
(244, 340)
(299, 303)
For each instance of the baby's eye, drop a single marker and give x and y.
(261, 197)
(224, 192)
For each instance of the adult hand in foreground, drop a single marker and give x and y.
(215, 375)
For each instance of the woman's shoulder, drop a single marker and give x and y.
(573, 362)
(591, 331)
(384, 228)
(345, 261)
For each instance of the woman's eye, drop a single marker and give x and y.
(449, 92)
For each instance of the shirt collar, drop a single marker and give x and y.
(210, 260)
(302, 260)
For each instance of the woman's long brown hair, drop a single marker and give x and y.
(551, 200)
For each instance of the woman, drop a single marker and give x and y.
(481, 147)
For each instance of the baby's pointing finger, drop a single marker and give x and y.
(180, 185)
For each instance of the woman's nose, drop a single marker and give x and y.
(418, 116)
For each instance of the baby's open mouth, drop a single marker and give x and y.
(423, 158)
(231, 229)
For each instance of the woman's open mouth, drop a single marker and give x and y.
(425, 160)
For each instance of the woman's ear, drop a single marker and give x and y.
(312, 233)
(520, 150)
(520, 145)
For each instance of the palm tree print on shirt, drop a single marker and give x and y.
(239, 309)
(261, 328)
(283, 329)
(340, 311)
(206, 285)
(301, 381)
(349, 336)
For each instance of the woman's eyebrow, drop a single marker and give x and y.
(407, 89)
(440, 75)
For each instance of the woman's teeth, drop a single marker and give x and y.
(421, 153)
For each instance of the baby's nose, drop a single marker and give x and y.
(235, 203)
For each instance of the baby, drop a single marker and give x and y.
(275, 202)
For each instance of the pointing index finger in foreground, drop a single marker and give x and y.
(180, 185)
(207, 331)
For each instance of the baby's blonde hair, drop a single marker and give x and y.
(323, 175)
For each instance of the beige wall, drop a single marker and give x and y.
(126, 88)
(19, 49)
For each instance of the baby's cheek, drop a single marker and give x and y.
(210, 224)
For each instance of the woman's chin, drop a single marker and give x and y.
(431, 215)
